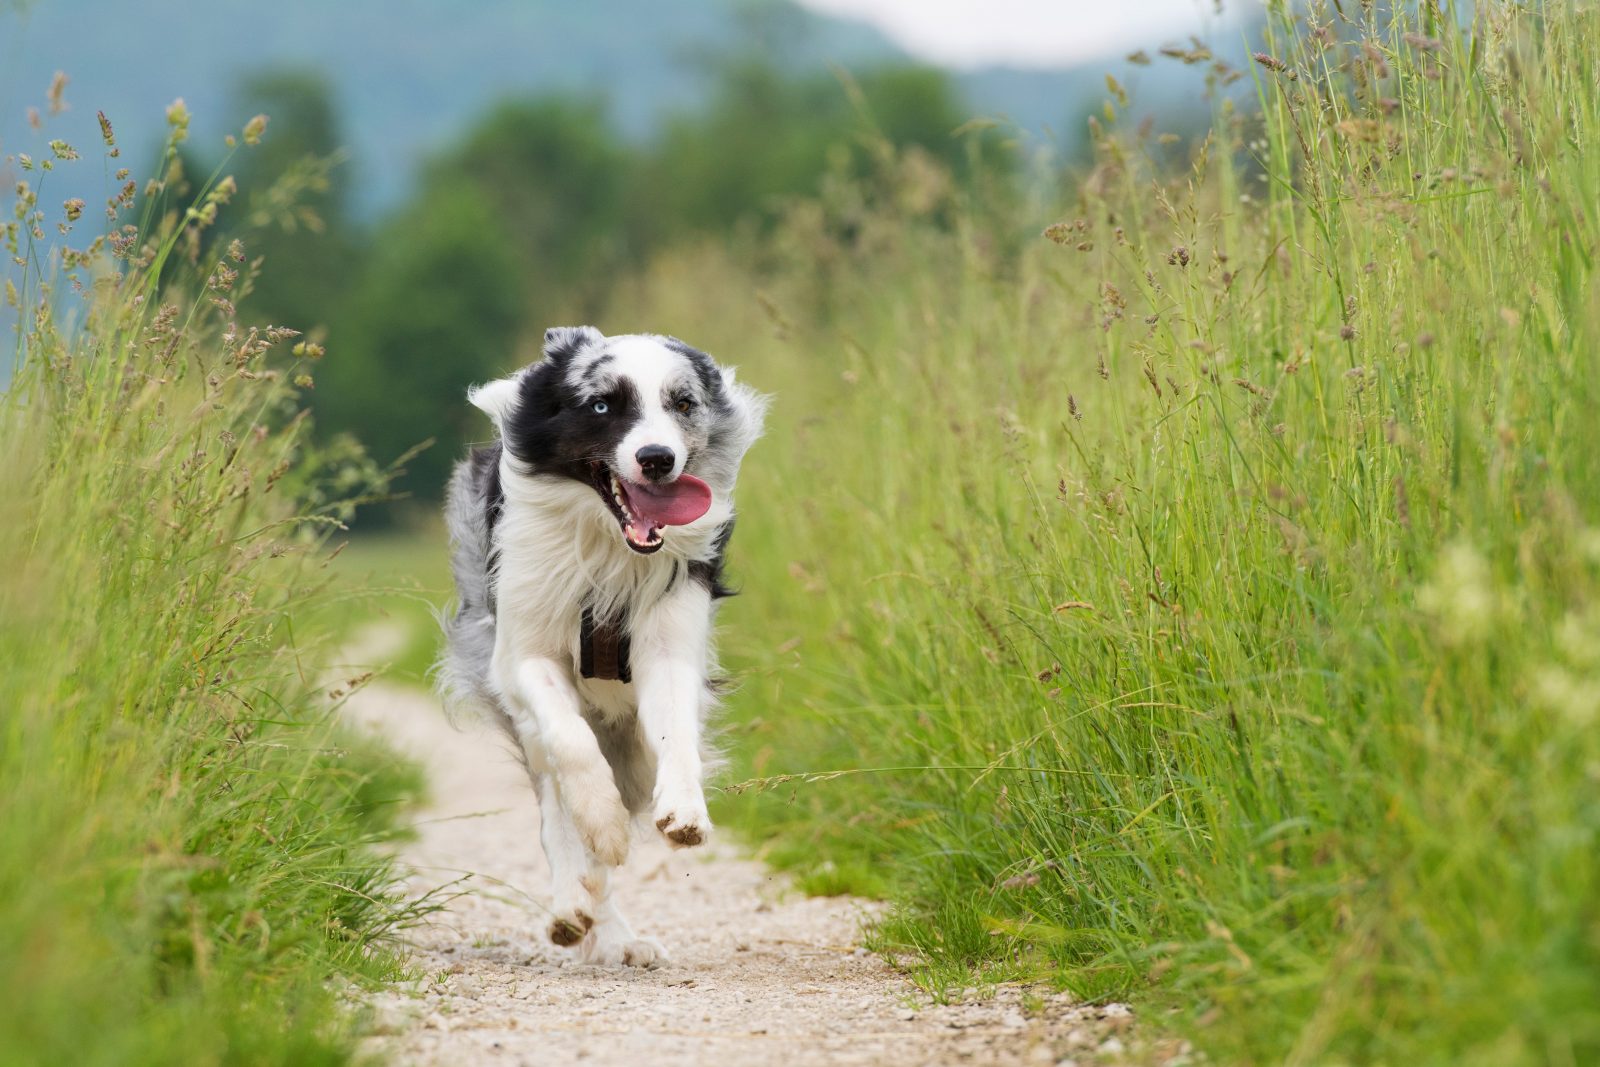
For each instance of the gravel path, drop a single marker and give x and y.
(758, 973)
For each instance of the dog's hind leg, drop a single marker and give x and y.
(573, 909)
(582, 913)
(633, 762)
(612, 942)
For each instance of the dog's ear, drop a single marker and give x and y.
(561, 343)
(497, 399)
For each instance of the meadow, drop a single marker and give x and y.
(194, 856)
(1196, 602)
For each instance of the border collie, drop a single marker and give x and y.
(587, 546)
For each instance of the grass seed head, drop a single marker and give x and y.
(56, 95)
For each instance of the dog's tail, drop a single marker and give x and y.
(472, 507)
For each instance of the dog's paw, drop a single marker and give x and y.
(569, 927)
(604, 826)
(629, 951)
(684, 824)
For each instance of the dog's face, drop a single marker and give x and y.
(652, 425)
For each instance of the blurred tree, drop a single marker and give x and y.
(439, 307)
(296, 200)
(551, 170)
(767, 136)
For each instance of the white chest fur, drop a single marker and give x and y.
(558, 551)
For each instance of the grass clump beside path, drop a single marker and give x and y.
(1203, 603)
(188, 870)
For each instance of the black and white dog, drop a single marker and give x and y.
(587, 546)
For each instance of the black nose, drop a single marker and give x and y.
(655, 460)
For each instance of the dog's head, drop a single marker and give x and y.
(654, 426)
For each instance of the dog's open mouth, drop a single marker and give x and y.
(644, 510)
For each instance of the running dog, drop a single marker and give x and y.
(588, 544)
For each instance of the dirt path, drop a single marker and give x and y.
(758, 973)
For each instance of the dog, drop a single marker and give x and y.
(588, 546)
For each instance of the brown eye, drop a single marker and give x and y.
(683, 406)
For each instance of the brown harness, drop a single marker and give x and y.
(603, 649)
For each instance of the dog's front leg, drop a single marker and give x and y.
(550, 725)
(670, 657)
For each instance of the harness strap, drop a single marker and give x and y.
(603, 650)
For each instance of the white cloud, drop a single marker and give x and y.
(1027, 33)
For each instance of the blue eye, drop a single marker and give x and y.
(600, 407)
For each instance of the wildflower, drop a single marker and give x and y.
(62, 150)
(73, 208)
(178, 119)
(1570, 695)
(1578, 637)
(1461, 596)
(254, 129)
(105, 130)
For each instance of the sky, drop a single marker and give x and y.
(1027, 33)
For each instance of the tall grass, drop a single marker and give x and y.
(188, 870)
(1204, 604)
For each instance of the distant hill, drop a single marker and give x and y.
(410, 73)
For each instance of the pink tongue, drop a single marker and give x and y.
(677, 503)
